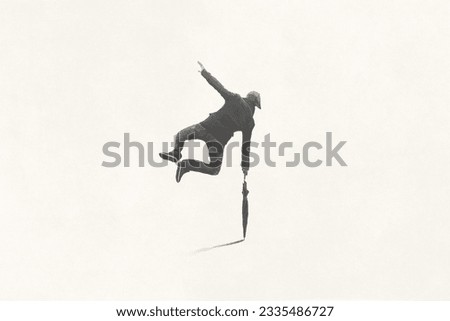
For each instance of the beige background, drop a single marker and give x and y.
(76, 74)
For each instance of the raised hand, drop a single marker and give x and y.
(201, 66)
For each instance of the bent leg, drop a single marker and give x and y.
(189, 133)
(193, 165)
(215, 150)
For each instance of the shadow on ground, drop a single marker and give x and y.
(205, 249)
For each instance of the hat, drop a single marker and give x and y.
(255, 96)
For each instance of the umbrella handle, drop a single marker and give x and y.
(245, 191)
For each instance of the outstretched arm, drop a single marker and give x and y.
(215, 83)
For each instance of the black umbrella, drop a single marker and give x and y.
(244, 220)
(244, 206)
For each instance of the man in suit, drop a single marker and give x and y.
(216, 130)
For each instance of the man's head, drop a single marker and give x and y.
(255, 98)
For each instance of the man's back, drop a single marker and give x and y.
(235, 115)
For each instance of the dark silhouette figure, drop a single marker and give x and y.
(216, 130)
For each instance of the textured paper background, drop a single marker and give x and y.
(76, 74)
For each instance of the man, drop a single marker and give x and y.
(235, 115)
